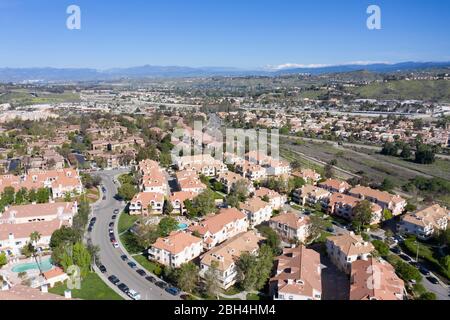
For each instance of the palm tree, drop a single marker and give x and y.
(34, 238)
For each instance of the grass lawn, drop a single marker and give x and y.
(148, 265)
(232, 291)
(427, 253)
(126, 222)
(92, 288)
(253, 296)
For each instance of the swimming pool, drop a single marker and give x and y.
(45, 265)
(182, 226)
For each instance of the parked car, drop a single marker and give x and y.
(399, 238)
(115, 244)
(141, 272)
(396, 250)
(131, 264)
(162, 284)
(114, 217)
(173, 291)
(433, 280)
(405, 257)
(102, 268)
(330, 229)
(134, 295)
(90, 228)
(150, 279)
(415, 264)
(111, 224)
(93, 220)
(124, 257)
(113, 279)
(104, 198)
(116, 211)
(424, 271)
(124, 288)
(111, 230)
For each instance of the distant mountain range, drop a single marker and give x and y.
(149, 71)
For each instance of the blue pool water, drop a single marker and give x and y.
(45, 265)
(182, 226)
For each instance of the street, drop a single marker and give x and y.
(109, 256)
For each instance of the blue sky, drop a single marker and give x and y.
(234, 33)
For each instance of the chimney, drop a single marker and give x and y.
(44, 288)
(68, 294)
(11, 237)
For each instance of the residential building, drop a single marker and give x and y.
(64, 211)
(347, 248)
(385, 200)
(374, 279)
(227, 254)
(343, 206)
(147, 203)
(14, 236)
(424, 223)
(276, 200)
(298, 275)
(308, 175)
(334, 185)
(229, 180)
(178, 248)
(257, 211)
(291, 226)
(311, 195)
(178, 198)
(220, 227)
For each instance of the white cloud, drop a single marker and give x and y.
(318, 65)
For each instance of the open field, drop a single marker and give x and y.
(364, 162)
(23, 97)
(434, 90)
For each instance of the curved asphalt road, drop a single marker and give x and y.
(109, 256)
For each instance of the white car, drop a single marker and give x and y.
(134, 295)
(116, 244)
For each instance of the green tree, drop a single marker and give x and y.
(188, 277)
(3, 259)
(65, 235)
(407, 272)
(425, 154)
(211, 277)
(167, 225)
(204, 203)
(387, 185)
(127, 191)
(272, 238)
(168, 207)
(387, 214)
(81, 258)
(43, 195)
(406, 152)
(381, 247)
(362, 215)
(427, 296)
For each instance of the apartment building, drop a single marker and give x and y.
(257, 211)
(252, 171)
(291, 226)
(308, 175)
(347, 248)
(229, 180)
(220, 227)
(176, 249)
(425, 223)
(276, 200)
(178, 198)
(385, 200)
(298, 275)
(375, 279)
(147, 203)
(343, 206)
(227, 254)
(311, 195)
(334, 185)
(64, 211)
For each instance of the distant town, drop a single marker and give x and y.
(97, 189)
